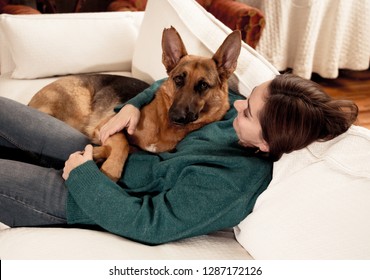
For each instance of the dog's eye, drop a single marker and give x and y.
(202, 86)
(179, 80)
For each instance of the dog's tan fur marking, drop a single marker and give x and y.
(75, 108)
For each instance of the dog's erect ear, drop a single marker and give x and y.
(226, 57)
(173, 49)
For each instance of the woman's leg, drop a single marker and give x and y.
(43, 137)
(31, 195)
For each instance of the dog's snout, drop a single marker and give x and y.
(182, 116)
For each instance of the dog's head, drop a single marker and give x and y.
(198, 84)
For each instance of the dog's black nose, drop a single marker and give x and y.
(183, 117)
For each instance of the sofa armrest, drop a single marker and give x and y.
(236, 15)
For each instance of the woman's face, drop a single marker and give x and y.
(246, 123)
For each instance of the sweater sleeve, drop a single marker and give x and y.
(143, 98)
(208, 183)
(202, 200)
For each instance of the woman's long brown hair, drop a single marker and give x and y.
(298, 112)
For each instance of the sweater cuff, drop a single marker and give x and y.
(81, 178)
(78, 175)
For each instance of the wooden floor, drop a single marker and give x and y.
(352, 85)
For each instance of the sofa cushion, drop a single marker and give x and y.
(27, 243)
(202, 34)
(317, 205)
(60, 44)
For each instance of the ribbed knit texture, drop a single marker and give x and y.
(208, 183)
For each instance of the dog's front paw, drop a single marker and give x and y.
(101, 153)
(112, 169)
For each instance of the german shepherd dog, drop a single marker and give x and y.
(195, 94)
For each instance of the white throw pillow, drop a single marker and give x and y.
(201, 33)
(317, 205)
(60, 44)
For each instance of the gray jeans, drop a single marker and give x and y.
(33, 149)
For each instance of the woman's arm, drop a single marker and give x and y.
(144, 97)
(128, 117)
(128, 113)
(203, 199)
(208, 183)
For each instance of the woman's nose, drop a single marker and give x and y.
(238, 104)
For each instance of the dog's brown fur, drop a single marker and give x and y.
(195, 94)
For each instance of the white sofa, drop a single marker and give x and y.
(317, 206)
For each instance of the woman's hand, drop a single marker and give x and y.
(127, 117)
(77, 159)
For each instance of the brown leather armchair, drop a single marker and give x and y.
(238, 16)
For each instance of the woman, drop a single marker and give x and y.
(289, 113)
(210, 182)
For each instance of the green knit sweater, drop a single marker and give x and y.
(209, 183)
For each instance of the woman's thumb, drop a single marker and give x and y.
(132, 126)
(88, 153)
